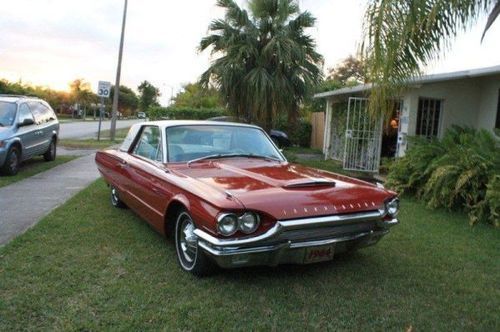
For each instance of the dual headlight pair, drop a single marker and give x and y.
(230, 223)
(392, 207)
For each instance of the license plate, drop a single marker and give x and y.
(319, 254)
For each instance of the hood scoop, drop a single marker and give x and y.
(308, 183)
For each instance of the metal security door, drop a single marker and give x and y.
(363, 138)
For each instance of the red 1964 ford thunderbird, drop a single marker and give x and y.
(229, 197)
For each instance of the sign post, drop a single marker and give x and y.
(103, 91)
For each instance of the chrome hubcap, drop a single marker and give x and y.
(187, 240)
(114, 196)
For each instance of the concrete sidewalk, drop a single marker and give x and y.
(24, 203)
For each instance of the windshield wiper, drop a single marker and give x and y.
(233, 155)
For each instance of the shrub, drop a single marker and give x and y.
(300, 134)
(184, 113)
(459, 172)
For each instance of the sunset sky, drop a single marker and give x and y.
(51, 42)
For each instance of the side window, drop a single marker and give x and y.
(38, 112)
(49, 113)
(149, 144)
(24, 113)
(428, 117)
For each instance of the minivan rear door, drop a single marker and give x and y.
(26, 133)
(46, 124)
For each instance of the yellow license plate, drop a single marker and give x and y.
(319, 254)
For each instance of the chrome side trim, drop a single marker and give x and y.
(282, 226)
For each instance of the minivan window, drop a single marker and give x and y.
(41, 113)
(7, 114)
(24, 113)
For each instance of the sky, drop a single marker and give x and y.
(52, 42)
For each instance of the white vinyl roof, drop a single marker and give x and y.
(489, 71)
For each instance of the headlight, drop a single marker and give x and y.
(248, 222)
(227, 224)
(393, 207)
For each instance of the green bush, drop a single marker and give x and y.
(459, 172)
(184, 113)
(299, 135)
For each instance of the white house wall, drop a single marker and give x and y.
(470, 102)
(488, 105)
(461, 103)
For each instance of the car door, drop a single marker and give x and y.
(45, 121)
(50, 126)
(26, 133)
(41, 144)
(147, 176)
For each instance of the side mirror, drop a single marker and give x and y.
(26, 122)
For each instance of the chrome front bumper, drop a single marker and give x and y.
(288, 241)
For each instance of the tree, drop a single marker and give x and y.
(194, 95)
(148, 96)
(350, 71)
(128, 101)
(319, 104)
(266, 63)
(403, 36)
(82, 94)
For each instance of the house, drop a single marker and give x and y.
(429, 105)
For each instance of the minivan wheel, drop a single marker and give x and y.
(50, 155)
(191, 258)
(115, 199)
(12, 162)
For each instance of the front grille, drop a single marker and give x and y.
(326, 232)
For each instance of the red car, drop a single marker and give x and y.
(230, 198)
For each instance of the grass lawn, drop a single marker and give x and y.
(32, 167)
(93, 143)
(88, 266)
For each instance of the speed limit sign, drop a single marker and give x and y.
(103, 89)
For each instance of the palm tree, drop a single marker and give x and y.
(82, 94)
(403, 36)
(265, 62)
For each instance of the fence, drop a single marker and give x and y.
(318, 129)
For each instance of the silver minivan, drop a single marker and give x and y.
(28, 128)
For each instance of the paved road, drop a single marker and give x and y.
(24, 203)
(88, 129)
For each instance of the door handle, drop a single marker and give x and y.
(122, 164)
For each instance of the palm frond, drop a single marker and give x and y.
(402, 36)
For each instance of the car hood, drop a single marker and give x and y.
(286, 191)
(5, 132)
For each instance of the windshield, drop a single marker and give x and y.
(187, 143)
(7, 114)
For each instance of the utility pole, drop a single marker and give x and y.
(118, 73)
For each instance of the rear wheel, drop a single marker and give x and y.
(191, 258)
(50, 155)
(12, 162)
(115, 199)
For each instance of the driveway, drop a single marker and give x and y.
(24, 203)
(83, 129)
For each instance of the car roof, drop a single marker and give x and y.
(175, 123)
(16, 98)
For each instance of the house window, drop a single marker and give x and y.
(497, 122)
(428, 116)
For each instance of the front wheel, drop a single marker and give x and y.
(12, 162)
(190, 257)
(50, 155)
